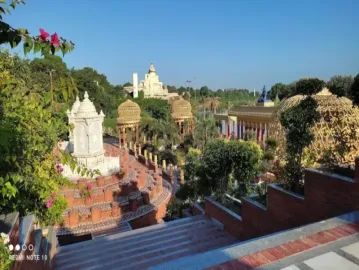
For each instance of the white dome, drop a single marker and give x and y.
(86, 109)
(76, 106)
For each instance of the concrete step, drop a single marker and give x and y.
(203, 237)
(220, 242)
(151, 231)
(92, 249)
(123, 227)
(132, 247)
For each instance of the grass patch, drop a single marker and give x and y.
(110, 123)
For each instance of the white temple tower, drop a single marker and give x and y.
(135, 85)
(86, 139)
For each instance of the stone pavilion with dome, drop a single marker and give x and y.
(181, 113)
(330, 107)
(129, 118)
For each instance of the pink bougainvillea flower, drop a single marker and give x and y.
(59, 168)
(49, 203)
(43, 34)
(55, 40)
(53, 195)
(90, 197)
(88, 186)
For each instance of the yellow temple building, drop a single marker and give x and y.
(241, 121)
(263, 121)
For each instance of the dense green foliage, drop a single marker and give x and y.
(104, 95)
(224, 167)
(278, 89)
(340, 85)
(298, 121)
(354, 90)
(245, 159)
(5, 261)
(205, 131)
(28, 133)
(32, 119)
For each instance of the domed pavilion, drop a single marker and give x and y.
(331, 107)
(129, 118)
(181, 113)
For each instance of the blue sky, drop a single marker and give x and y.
(220, 43)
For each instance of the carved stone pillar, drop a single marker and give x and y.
(137, 134)
(124, 137)
(163, 165)
(119, 137)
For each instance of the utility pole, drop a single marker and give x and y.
(51, 85)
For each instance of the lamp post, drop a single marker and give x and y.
(51, 85)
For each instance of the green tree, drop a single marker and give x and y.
(340, 85)
(105, 96)
(354, 90)
(191, 189)
(216, 166)
(279, 89)
(29, 129)
(205, 131)
(308, 86)
(297, 122)
(204, 91)
(245, 160)
(276, 100)
(52, 79)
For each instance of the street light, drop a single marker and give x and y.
(51, 85)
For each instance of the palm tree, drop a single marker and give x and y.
(206, 103)
(216, 101)
(205, 131)
(171, 133)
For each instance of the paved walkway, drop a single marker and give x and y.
(303, 253)
(334, 240)
(331, 260)
(337, 255)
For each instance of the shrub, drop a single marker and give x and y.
(56, 206)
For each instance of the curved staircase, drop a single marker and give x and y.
(126, 196)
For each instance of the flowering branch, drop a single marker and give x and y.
(13, 37)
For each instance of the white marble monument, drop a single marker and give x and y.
(151, 86)
(86, 140)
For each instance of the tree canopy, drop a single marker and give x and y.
(340, 85)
